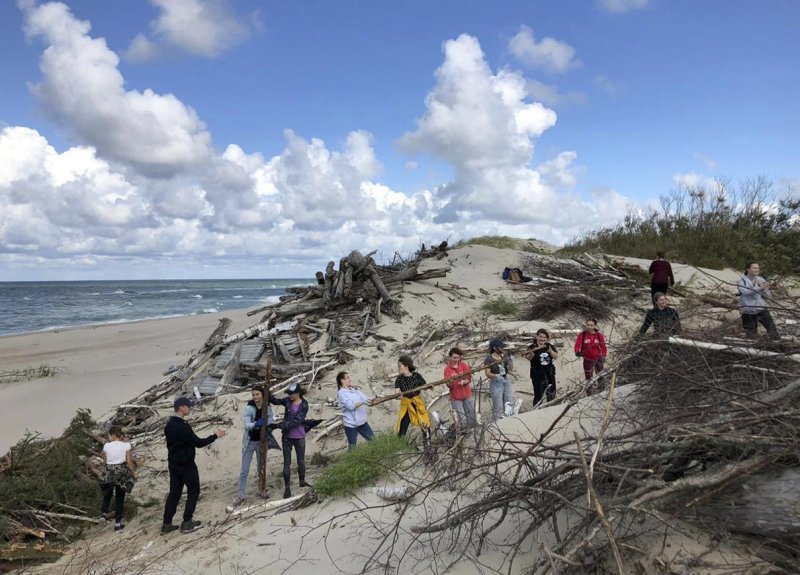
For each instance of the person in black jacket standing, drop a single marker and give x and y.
(181, 444)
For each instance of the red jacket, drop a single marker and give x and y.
(460, 388)
(594, 345)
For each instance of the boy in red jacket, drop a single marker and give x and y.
(460, 392)
(591, 346)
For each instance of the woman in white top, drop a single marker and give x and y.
(119, 476)
(354, 410)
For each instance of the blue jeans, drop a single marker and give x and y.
(465, 408)
(500, 391)
(247, 457)
(352, 434)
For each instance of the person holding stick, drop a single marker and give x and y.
(499, 367)
(412, 408)
(119, 476)
(591, 346)
(354, 404)
(460, 391)
(251, 440)
(293, 434)
(542, 356)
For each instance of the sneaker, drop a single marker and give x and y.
(287, 493)
(168, 528)
(304, 484)
(119, 527)
(238, 500)
(105, 516)
(189, 526)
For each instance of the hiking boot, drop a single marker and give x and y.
(189, 526)
(119, 527)
(287, 493)
(304, 484)
(168, 528)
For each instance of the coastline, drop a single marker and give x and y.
(97, 367)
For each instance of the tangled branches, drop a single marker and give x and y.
(700, 445)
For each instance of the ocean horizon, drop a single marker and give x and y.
(32, 306)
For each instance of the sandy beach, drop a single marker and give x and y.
(98, 367)
(103, 366)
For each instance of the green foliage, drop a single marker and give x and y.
(711, 228)
(501, 243)
(361, 466)
(27, 373)
(46, 473)
(500, 306)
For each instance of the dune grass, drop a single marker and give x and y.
(501, 243)
(361, 466)
(500, 306)
(27, 373)
(711, 227)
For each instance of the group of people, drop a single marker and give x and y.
(498, 367)
(752, 289)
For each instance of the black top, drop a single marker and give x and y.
(290, 420)
(181, 441)
(406, 382)
(664, 321)
(542, 360)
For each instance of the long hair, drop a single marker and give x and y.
(340, 378)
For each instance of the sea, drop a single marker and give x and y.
(37, 306)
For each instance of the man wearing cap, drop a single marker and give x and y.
(181, 444)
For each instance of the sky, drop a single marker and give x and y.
(254, 138)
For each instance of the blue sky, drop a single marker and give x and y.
(236, 138)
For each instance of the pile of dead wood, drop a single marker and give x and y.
(709, 437)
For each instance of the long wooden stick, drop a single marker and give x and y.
(262, 445)
(398, 394)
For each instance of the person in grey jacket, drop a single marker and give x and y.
(354, 404)
(753, 293)
(251, 439)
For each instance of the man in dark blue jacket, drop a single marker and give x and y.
(181, 444)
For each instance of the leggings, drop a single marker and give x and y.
(300, 449)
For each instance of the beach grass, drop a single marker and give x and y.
(361, 466)
(501, 243)
(500, 306)
(713, 227)
(27, 373)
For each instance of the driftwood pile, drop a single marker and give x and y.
(307, 333)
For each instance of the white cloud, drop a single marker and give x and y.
(693, 180)
(483, 125)
(550, 95)
(200, 27)
(605, 84)
(142, 49)
(105, 208)
(624, 5)
(84, 91)
(548, 53)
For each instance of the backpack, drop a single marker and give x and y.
(515, 275)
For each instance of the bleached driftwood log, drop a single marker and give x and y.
(748, 351)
